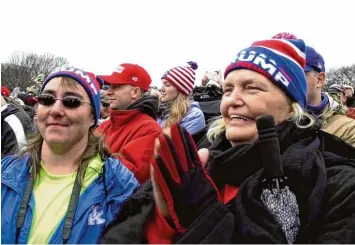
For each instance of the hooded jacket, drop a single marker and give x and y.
(132, 133)
(193, 121)
(321, 173)
(334, 119)
(15, 126)
(103, 198)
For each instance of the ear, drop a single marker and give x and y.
(321, 80)
(136, 92)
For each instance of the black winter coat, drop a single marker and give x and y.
(321, 172)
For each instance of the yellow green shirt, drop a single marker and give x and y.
(52, 194)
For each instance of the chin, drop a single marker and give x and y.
(55, 140)
(240, 137)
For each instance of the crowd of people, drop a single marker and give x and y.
(258, 154)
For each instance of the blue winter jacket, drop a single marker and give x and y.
(97, 205)
(193, 121)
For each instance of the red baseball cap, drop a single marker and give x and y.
(131, 74)
(5, 91)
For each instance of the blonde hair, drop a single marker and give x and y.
(178, 110)
(95, 145)
(217, 127)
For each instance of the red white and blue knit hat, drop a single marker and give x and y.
(280, 60)
(91, 83)
(182, 78)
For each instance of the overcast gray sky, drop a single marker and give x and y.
(99, 35)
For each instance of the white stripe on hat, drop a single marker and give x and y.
(188, 82)
(177, 84)
(186, 72)
(181, 82)
(288, 43)
(299, 52)
(188, 69)
(283, 55)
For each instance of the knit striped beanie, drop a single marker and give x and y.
(182, 78)
(280, 60)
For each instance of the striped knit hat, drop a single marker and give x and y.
(182, 78)
(280, 60)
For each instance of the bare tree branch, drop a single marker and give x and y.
(343, 74)
(22, 69)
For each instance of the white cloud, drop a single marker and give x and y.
(99, 35)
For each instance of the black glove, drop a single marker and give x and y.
(183, 181)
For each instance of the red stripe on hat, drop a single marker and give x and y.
(177, 84)
(186, 72)
(284, 47)
(187, 82)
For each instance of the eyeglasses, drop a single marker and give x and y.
(69, 101)
(105, 104)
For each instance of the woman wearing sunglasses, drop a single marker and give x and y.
(63, 187)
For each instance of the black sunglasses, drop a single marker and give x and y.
(317, 69)
(69, 101)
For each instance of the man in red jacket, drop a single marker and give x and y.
(132, 127)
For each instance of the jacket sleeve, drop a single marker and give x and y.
(137, 154)
(9, 143)
(344, 128)
(348, 134)
(194, 121)
(215, 225)
(337, 222)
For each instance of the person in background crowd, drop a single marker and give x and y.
(176, 106)
(5, 91)
(349, 89)
(132, 127)
(15, 127)
(64, 187)
(155, 92)
(321, 105)
(212, 78)
(237, 201)
(338, 93)
(105, 106)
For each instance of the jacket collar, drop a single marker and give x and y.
(123, 117)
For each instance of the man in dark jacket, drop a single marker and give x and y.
(15, 125)
(132, 127)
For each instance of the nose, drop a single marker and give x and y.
(237, 99)
(109, 90)
(57, 109)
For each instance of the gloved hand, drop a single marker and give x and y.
(182, 180)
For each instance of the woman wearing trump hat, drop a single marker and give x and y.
(272, 175)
